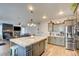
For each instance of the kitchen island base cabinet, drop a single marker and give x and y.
(41, 47)
(33, 50)
(38, 48)
(78, 45)
(29, 46)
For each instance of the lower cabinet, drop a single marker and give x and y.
(77, 44)
(38, 48)
(60, 41)
(41, 47)
(34, 50)
(52, 40)
(56, 40)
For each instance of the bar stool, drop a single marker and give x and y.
(14, 50)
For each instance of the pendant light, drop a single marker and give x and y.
(31, 23)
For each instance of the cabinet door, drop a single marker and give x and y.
(62, 41)
(35, 49)
(52, 40)
(41, 47)
(59, 41)
(49, 39)
(77, 44)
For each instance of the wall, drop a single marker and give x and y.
(44, 28)
(15, 14)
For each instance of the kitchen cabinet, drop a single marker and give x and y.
(28, 46)
(77, 44)
(59, 41)
(56, 40)
(50, 26)
(51, 40)
(69, 22)
(38, 48)
(35, 49)
(41, 47)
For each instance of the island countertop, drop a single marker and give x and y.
(27, 41)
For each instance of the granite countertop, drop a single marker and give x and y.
(27, 41)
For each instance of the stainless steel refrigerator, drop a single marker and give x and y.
(70, 41)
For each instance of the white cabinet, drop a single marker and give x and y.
(69, 22)
(60, 41)
(56, 40)
(50, 26)
(51, 40)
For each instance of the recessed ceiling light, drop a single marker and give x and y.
(61, 13)
(30, 8)
(44, 17)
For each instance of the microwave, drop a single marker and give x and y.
(17, 28)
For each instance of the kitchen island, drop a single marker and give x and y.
(29, 46)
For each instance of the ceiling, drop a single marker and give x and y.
(50, 10)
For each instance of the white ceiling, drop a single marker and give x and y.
(48, 9)
(51, 10)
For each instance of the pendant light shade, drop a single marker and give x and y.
(31, 23)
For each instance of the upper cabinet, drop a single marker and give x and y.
(50, 26)
(69, 22)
